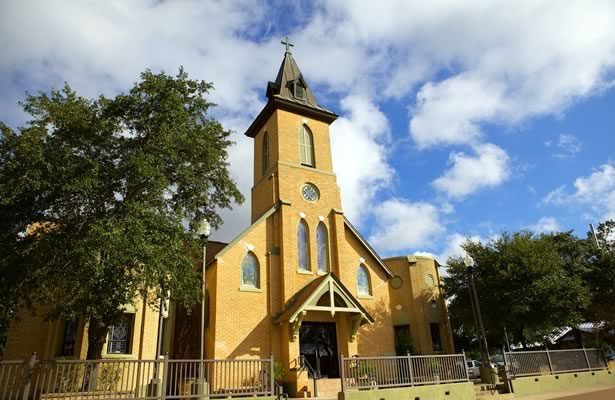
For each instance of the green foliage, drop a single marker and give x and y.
(99, 198)
(278, 372)
(600, 274)
(528, 283)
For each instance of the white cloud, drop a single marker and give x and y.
(596, 192)
(504, 62)
(453, 246)
(467, 174)
(449, 112)
(359, 142)
(545, 225)
(402, 225)
(567, 146)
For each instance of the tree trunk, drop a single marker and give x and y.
(97, 335)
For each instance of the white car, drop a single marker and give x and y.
(473, 367)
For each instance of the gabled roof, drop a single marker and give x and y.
(307, 298)
(223, 249)
(280, 94)
(369, 248)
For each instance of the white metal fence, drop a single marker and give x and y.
(134, 379)
(386, 372)
(526, 363)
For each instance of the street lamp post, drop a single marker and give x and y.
(203, 230)
(478, 321)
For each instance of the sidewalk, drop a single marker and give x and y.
(596, 392)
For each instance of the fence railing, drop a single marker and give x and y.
(134, 379)
(386, 372)
(546, 362)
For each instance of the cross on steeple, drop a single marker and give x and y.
(287, 43)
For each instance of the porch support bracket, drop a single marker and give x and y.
(356, 324)
(296, 325)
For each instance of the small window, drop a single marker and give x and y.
(265, 153)
(69, 338)
(306, 146)
(120, 336)
(436, 340)
(299, 90)
(250, 271)
(303, 247)
(363, 284)
(322, 242)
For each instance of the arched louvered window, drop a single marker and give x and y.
(265, 153)
(363, 281)
(322, 241)
(250, 271)
(306, 146)
(303, 246)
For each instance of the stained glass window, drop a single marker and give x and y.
(249, 271)
(120, 335)
(306, 146)
(303, 246)
(323, 248)
(363, 286)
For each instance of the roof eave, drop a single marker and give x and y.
(275, 103)
(369, 248)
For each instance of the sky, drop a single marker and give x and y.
(465, 118)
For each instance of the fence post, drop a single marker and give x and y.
(165, 374)
(549, 360)
(586, 358)
(343, 372)
(271, 371)
(465, 365)
(410, 371)
(26, 388)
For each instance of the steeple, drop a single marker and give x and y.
(290, 92)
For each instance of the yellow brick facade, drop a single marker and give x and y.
(30, 333)
(246, 322)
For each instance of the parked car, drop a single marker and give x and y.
(497, 361)
(473, 367)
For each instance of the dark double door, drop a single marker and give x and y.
(318, 345)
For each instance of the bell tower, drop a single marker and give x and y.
(292, 148)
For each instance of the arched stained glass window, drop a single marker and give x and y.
(363, 284)
(303, 246)
(323, 248)
(306, 146)
(265, 153)
(250, 271)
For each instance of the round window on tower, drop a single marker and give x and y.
(310, 192)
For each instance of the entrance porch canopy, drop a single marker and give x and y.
(326, 293)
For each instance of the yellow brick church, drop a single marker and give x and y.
(299, 281)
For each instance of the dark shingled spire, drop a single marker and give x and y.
(288, 77)
(290, 91)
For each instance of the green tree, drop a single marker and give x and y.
(99, 199)
(600, 273)
(526, 283)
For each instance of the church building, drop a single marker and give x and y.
(300, 281)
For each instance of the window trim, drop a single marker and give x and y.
(362, 267)
(323, 228)
(308, 268)
(130, 317)
(256, 287)
(265, 154)
(306, 147)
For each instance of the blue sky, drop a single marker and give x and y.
(466, 118)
